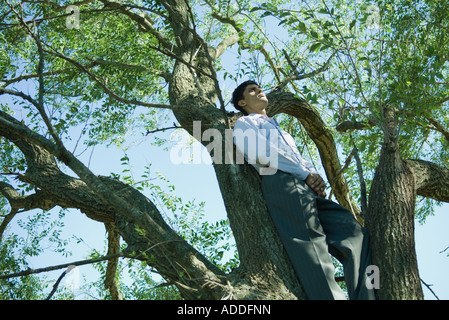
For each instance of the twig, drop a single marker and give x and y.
(55, 286)
(428, 287)
(296, 75)
(444, 250)
(162, 129)
(346, 165)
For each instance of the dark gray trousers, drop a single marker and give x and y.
(310, 228)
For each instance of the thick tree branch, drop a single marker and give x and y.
(18, 203)
(348, 125)
(431, 180)
(223, 45)
(439, 127)
(40, 199)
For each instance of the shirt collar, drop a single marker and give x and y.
(269, 119)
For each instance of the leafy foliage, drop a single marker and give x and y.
(36, 234)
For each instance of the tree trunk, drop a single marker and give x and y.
(265, 271)
(390, 221)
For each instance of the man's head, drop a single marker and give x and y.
(248, 98)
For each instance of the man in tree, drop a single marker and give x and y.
(310, 226)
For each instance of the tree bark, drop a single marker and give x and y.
(390, 223)
(431, 180)
(390, 220)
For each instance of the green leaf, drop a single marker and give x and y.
(301, 27)
(314, 46)
(352, 24)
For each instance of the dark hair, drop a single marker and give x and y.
(237, 95)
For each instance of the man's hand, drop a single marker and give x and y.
(317, 184)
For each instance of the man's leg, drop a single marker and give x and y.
(293, 208)
(349, 243)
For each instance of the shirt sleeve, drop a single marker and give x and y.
(261, 147)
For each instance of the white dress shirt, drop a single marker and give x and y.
(268, 148)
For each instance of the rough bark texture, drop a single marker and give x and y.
(390, 223)
(431, 180)
(390, 219)
(264, 271)
(263, 263)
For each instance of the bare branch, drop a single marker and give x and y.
(61, 266)
(21, 95)
(296, 75)
(428, 287)
(110, 282)
(55, 286)
(223, 45)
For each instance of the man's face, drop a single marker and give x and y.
(254, 100)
